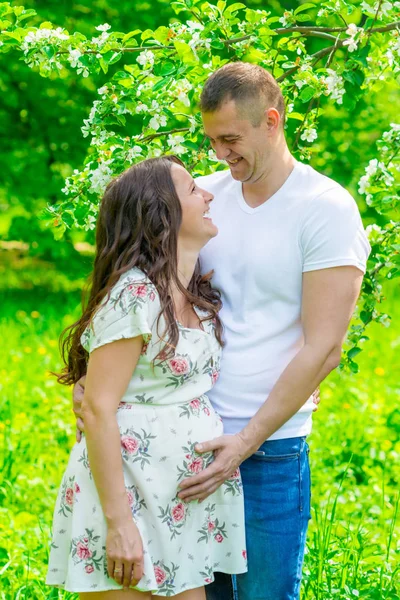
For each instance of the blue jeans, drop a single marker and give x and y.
(276, 483)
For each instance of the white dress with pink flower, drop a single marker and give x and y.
(163, 414)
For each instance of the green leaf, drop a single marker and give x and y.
(130, 35)
(302, 18)
(233, 8)
(221, 4)
(164, 68)
(303, 7)
(353, 366)
(26, 14)
(103, 65)
(5, 9)
(295, 115)
(147, 34)
(352, 353)
(307, 93)
(217, 44)
(127, 82)
(365, 316)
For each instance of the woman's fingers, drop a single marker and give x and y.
(118, 575)
(137, 571)
(127, 579)
(110, 567)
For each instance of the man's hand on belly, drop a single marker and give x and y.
(229, 452)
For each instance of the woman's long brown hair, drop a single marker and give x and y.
(138, 224)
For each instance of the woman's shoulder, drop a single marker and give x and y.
(135, 282)
(133, 290)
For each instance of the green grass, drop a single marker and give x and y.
(353, 544)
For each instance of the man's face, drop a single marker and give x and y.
(245, 148)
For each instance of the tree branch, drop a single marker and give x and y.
(320, 32)
(317, 56)
(156, 135)
(304, 29)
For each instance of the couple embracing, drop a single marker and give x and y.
(217, 307)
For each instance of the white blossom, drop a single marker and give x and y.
(193, 25)
(100, 177)
(146, 58)
(158, 121)
(133, 153)
(73, 57)
(335, 85)
(373, 230)
(141, 107)
(363, 184)
(175, 143)
(102, 90)
(300, 83)
(351, 43)
(104, 27)
(309, 135)
(383, 9)
(285, 19)
(352, 30)
(35, 37)
(101, 40)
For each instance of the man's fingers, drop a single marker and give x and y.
(78, 435)
(199, 491)
(205, 475)
(80, 424)
(209, 446)
(202, 495)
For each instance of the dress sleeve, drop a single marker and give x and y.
(332, 234)
(127, 313)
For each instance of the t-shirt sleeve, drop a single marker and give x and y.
(126, 314)
(332, 234)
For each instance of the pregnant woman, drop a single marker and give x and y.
(150, 340)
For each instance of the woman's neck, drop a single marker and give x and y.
(187, 260)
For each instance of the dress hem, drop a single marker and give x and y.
(147, 591)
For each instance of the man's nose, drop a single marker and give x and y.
(221, 151)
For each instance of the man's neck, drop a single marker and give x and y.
(275, 175)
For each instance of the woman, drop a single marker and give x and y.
(153, 336)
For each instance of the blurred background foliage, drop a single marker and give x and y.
(41, 142)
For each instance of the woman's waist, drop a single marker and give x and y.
(148, 401)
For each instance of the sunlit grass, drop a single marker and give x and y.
(353, 545)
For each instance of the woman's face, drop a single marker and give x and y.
(196, 227)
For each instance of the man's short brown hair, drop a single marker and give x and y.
(251, 87)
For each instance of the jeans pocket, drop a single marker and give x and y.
(264, 456)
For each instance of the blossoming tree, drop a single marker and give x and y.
(148, 107)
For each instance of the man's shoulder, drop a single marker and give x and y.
(320, 188)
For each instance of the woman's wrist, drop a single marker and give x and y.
(118, 519)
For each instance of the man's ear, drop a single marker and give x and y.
(273, 119)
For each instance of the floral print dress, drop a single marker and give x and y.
(163, 414)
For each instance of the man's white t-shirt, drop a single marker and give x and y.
(258, 257)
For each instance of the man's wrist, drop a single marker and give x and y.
(249, 440)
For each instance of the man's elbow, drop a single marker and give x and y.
(333, 359)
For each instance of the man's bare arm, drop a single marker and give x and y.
(328, 301)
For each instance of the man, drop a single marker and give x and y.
(289, 261)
